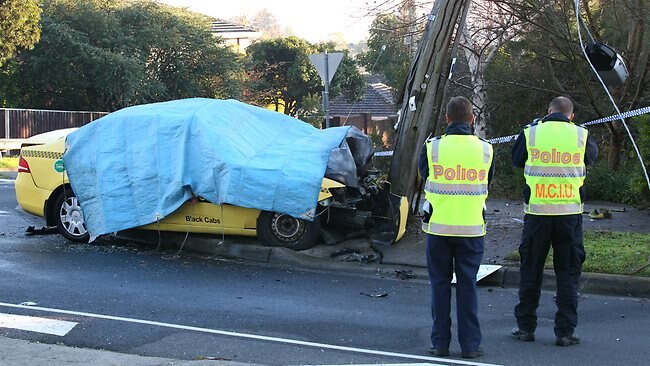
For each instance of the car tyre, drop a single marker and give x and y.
(277, 229)
(69, 217)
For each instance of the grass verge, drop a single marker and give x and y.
(9, 162)
(612, 253)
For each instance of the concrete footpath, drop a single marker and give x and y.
(16, 352)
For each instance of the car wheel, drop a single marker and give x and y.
(276, 229)
(69, 217)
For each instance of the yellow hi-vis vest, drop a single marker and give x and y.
(555, 169)
(457, 185)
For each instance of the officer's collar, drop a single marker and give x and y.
(458, 128)
(557, 116)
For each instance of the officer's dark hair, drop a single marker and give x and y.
(459, 109)
(562, 105)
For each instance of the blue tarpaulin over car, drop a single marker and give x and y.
(139, 164)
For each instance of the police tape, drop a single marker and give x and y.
(628, 114)
(504, 139)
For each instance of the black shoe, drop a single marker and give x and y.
(473, 354)
(439, 352)
(523, 336)
(567, 341)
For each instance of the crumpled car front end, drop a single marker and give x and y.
(363, 203)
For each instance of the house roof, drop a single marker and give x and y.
(377, 100)
(224, 28)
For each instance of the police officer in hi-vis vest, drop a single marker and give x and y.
(553, 153)
(457, 167)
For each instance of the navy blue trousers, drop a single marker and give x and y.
(444, 255)
(564, 233)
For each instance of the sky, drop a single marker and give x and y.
(308, 19)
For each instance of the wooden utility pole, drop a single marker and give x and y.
(423, 93)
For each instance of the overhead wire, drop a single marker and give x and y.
(618, 111)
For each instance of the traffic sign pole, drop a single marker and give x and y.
(326, 92)
(326, 65)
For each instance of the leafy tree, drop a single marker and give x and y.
(267, 24)
(281, 75)
(347, 80)
(387, 52)
(105, 55)
(19, 26)
(545, 60)
(264, 22)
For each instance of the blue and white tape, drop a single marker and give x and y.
(628, 114)
(505, 139)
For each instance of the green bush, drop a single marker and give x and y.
(626, 184)
(604, 184)
(8, 162)
(508, 181)
(638, 183)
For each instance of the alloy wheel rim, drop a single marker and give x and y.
(287, 228)
(72, 217)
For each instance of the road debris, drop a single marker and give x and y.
(341, 252)
(211, 358)
(31, 230)
(354, 256)
(363, 258)
(597, 214)
(404, 274)
(383, 294)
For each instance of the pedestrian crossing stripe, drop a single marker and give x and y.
(36, 324)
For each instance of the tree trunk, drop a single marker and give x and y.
(616, 148)
(424, 85)
(477, 65)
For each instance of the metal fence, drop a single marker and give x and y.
(23, 123)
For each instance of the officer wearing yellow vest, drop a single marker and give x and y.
(457, 167)
(553, 153)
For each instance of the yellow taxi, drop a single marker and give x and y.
(42, 189)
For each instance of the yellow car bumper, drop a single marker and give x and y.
(403, 217)
(30, 197)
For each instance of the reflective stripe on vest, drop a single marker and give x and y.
(457, 185)
(456, 189)
(564, 209)
(456, 230)
(435, 144)
(555, 171)
(487, 151)
(555, 168)
(531, 139)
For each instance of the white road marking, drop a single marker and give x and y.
(3, 213)
(389, 364)
(446, 361)
(35, 324)
(7, 181)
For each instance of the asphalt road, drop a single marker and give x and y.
(130, 299)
